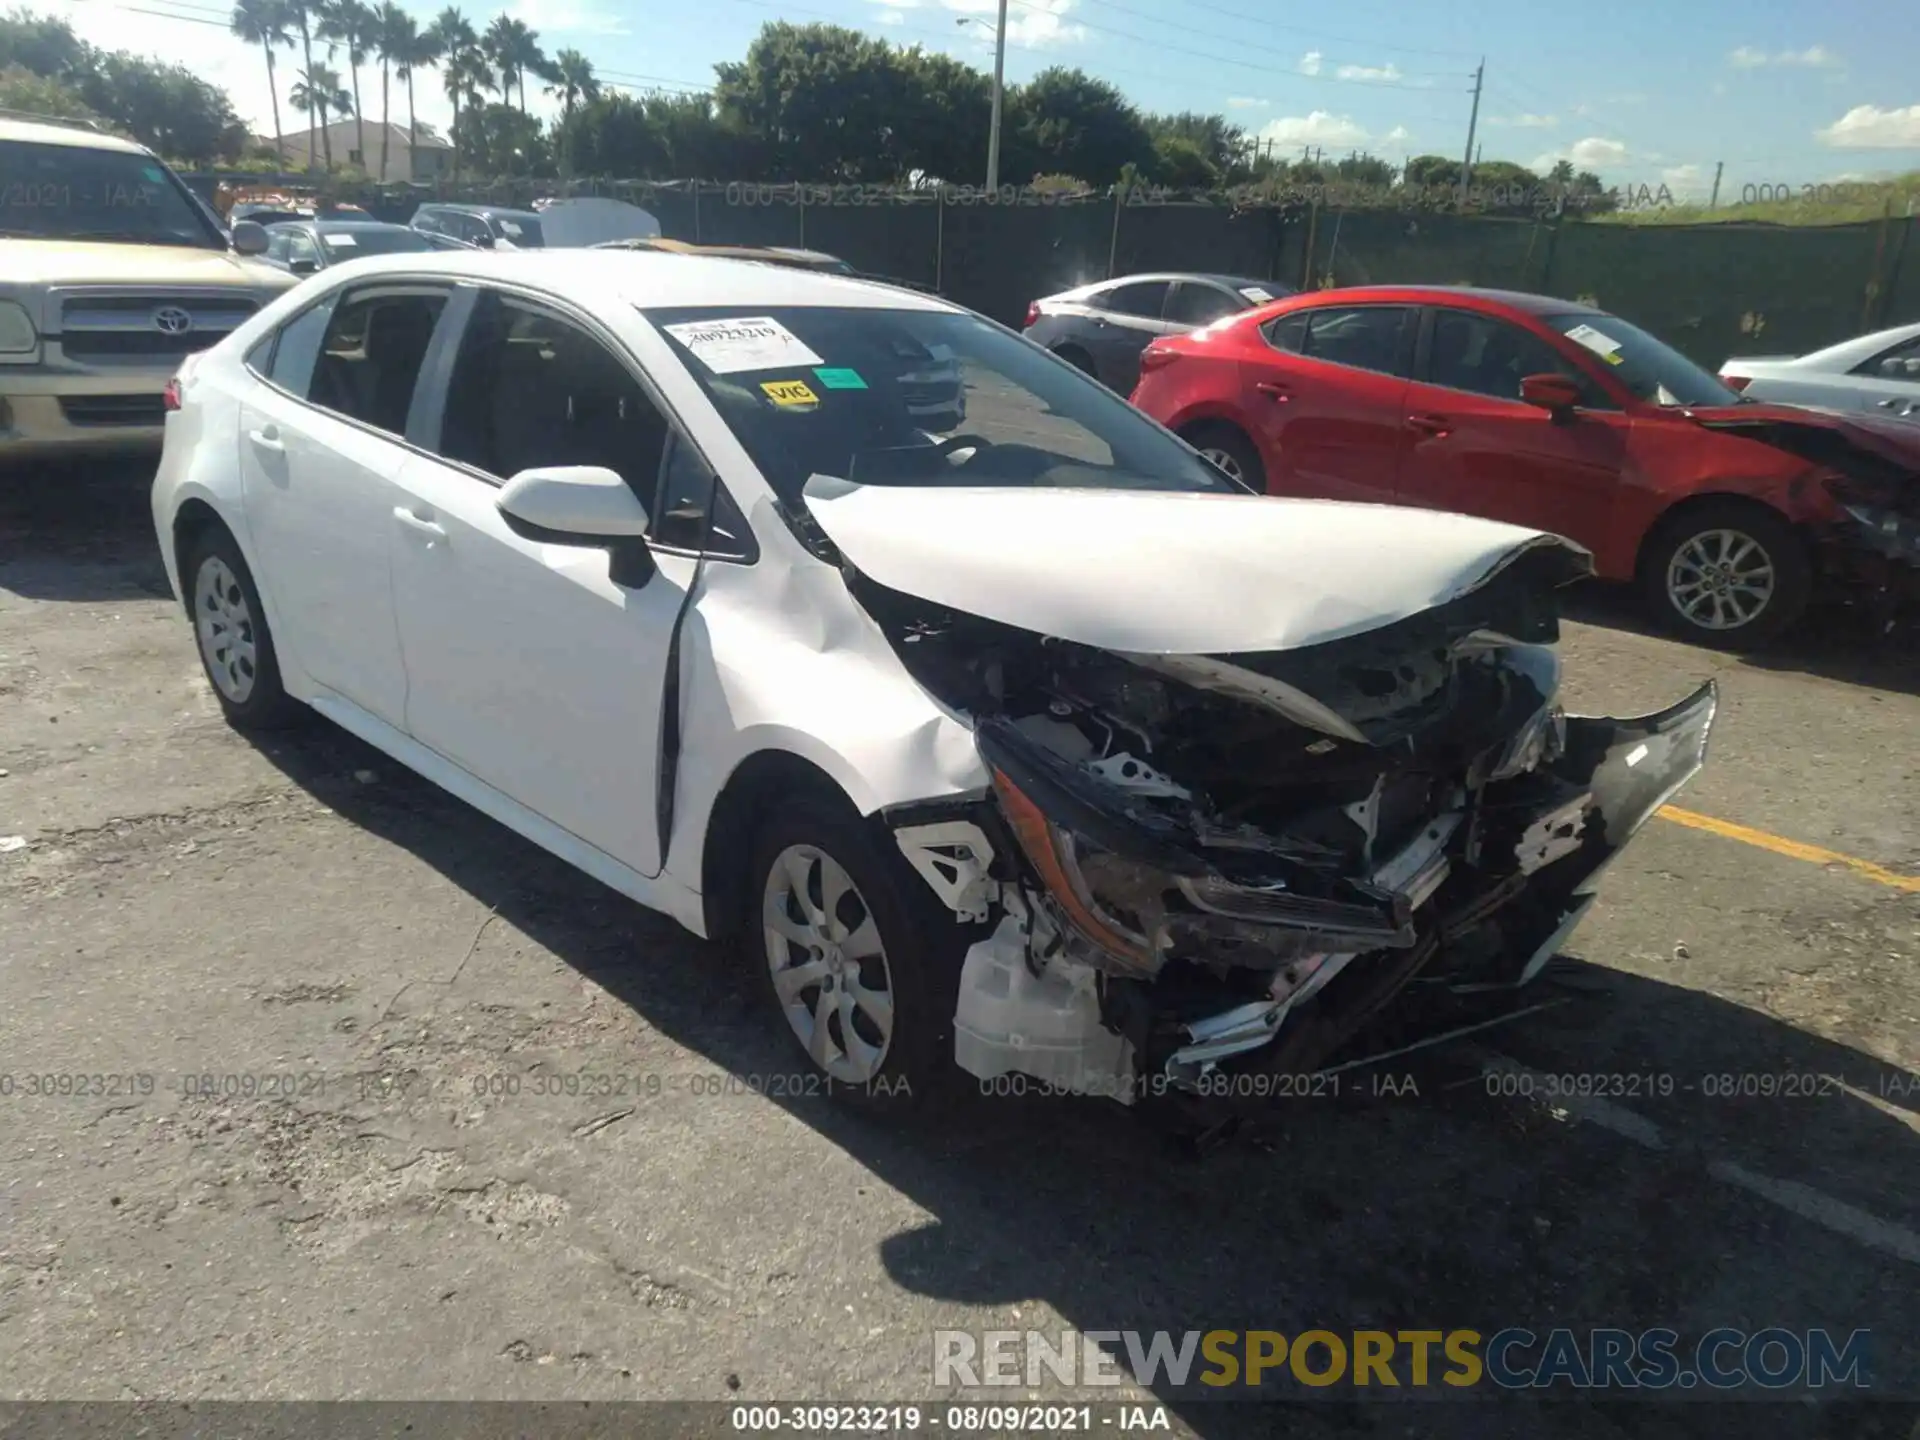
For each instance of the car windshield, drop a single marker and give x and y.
(74, 192)
(345, 244)
(912, 398)
(1652, 369)
(520, 231)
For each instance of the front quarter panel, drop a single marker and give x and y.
(778, 656)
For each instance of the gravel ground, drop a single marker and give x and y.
(397, 1212)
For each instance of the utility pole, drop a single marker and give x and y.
(999, 84)
(1718, 166)
(1473, 124)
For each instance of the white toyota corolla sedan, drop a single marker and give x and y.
(1035, 751)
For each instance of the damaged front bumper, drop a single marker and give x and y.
(1132, 955)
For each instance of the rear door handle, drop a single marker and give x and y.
(417, 523)
(268, 439)
(1435, 425)
(1278, 393)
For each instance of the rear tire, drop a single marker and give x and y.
(231, 633)
(1231, 452)
(856, 956)
(1079, 359)
(1729, 574)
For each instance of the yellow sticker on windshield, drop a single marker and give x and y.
(789, 392)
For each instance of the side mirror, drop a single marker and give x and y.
(249, 237)
(302, 266)
(581, 505)
(1557, 394)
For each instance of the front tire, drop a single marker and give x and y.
(855, 955)
(1730, 574)
(231, 633)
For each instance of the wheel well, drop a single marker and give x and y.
(1067, 350)
(1195, 429)
(194, 519)
(1683, 508)
(757, 783)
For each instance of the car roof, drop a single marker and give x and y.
(1232, 282)
(327, 222)
(29, 132)
(507, 210)
(657, 279)
(1440, 294)
(1848, 353)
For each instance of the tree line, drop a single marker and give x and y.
(810, 103)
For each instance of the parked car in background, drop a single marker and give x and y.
(1042, 749)
(1541, 412)
(1878, 372)
(111, 271)
(483, 227)
(302, 247)
(1103, 327)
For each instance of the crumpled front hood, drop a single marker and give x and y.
(1814, 434)
(68, 262)
(1157, 573)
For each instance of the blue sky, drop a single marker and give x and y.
(1642, 93)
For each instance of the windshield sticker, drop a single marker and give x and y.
(727, 347)
(1605, 346)
(837, 379)
(154, 173)
(790, 392)
(339, 240)
(1255, 294)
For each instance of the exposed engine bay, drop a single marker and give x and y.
(1191, 864)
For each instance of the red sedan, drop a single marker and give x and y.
(1556, 416)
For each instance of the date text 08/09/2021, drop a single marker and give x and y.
(953, 1419)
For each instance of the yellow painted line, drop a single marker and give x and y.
(1792, 849)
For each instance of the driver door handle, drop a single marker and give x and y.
(268, 439)
(417, 523)
(1434, 425)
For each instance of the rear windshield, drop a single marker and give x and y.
(73, 192)
(913, 397)
(345, 244)
(1652, 369)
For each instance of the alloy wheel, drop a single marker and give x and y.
(1224, 461)
(828, 963)
(1721, 579)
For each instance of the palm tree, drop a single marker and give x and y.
(351, 23)
(264, 23)
(302, 13)
(464, 68)
(575, 84)
(319, 92)
(393, 34)
(515, 52)
(420, 52)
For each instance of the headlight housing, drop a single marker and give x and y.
(18, 337)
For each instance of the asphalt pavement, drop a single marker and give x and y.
(320, 1139)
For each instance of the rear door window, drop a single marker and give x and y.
(1197, 303)
(1142, 298)
(371, 355)
(1365, 337)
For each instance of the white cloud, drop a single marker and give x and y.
(1322, 127)
(1246, 102)
(1388, 71)
(1814, 57)
(1687, 182)
(1033, 25)
(1868, 127)
(1398, 135)
(1525, 121)
(1592, 153)
(892, 17)
(567, 17)
(1310, 62)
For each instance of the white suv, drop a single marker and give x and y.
(110, 272)
(1039, 746)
